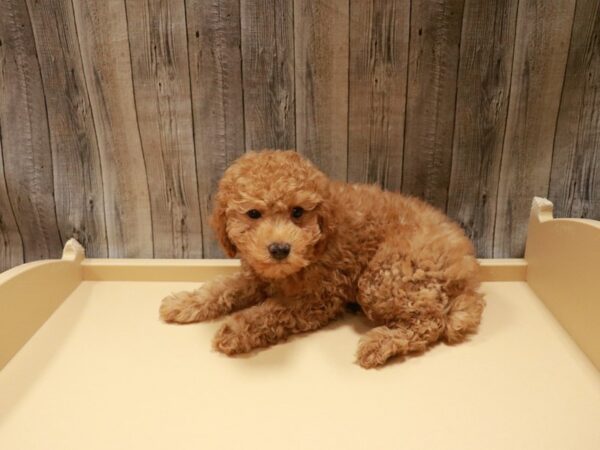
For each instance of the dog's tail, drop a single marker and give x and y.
(464, 316)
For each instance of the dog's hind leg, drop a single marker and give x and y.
(420, 291)
(384, 342)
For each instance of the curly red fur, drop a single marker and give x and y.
(411, 269)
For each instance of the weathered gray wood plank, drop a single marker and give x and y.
(216, 78)
(268, 73)
(11, 245)
(575, 180)
(321, 67)
(25, 138)
(75, 155)
(379, 35)
(435, 32)
(541, 46)
(486, 55)
(107, 66)
(157, 32)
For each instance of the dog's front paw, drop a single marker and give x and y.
(231, 339)
(184, 307)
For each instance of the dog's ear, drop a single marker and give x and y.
(326, 224)
(218, 221)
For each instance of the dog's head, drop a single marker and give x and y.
(271, 210)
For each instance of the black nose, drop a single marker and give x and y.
(279, 250)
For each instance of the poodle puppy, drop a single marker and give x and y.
(309, 246)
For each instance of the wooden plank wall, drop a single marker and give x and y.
(117, 118)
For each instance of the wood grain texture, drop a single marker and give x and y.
(118, 117)
(379, 35)
(575, 178)
(542, 41)
(434, 50)
(486, 55)
(75, 155)
(157, 32)
(25, 137)
(216, 78)
(268, 72)
(11, 244)
(107, 66)
(321, 67)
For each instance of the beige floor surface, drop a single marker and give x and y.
(104, 373)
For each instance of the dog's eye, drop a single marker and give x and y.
(254, 214)
(297, 212)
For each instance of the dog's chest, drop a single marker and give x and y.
(290, 287)
(315, 284)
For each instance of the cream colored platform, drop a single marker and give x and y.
(104, 373)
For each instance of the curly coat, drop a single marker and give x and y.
(409, 267)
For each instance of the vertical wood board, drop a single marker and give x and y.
(267, 34)
(486, 56)
(11, 245)
(432, 73)
(321, 60)
(160, 69)
(216, 79)
(107, 66)
(27, 156)
(379, 35)
(542, 41)
(75, 154)
(575, 178)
